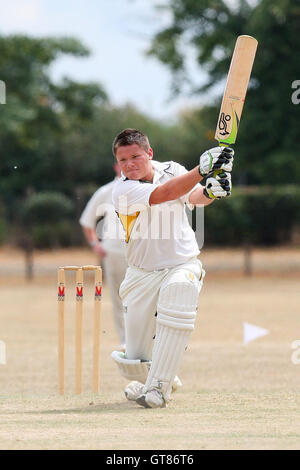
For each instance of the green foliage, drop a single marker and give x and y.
(56, 138)
(267, 144)
(195, 130)
(46, 207)
(38, 113)
(261, 216)
(79, 100)
(3, 225)
(47, 219)
(52, 235)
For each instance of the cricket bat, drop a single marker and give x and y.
(235, 90)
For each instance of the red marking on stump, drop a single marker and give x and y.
(79, 291)
(98, 292)
(61, 291)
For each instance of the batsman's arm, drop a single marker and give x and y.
(176, 187)
(197, 197)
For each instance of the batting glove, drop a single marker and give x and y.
(217, 185)
(217, 158)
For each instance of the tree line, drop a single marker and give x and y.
(56, 137)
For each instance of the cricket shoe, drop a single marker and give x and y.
(134, 389)
(152, 399)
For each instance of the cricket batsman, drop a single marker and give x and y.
(164, 275)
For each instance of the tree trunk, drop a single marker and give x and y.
(28, 263)
(248, 267)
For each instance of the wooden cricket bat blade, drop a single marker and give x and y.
(236, 89)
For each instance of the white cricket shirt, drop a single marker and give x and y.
(157, 236)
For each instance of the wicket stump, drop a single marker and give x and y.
(79, 324)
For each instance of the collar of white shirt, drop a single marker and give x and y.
(160, 168)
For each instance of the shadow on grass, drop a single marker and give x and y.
(91, 408)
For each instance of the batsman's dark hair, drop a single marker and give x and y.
(130, 137)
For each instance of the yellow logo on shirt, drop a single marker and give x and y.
(128, 222)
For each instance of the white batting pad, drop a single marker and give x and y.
(176, 314)
(132, 369)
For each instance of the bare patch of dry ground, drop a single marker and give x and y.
(234, 396)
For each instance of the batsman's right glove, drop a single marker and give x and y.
(217, 185)
(217, 158)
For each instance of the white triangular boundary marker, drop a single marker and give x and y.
(252, 332)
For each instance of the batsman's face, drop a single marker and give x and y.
(135, 162)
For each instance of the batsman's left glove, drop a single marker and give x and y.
(217, 185)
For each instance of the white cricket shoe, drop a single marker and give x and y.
(152, 399)
(133, 390)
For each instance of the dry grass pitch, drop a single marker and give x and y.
(234, 396)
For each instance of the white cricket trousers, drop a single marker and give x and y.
(139, 293)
